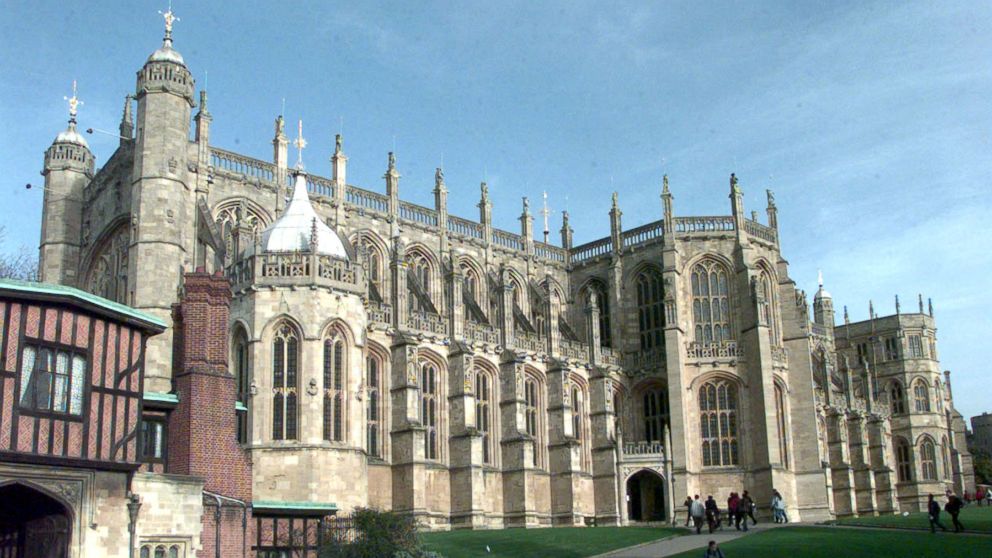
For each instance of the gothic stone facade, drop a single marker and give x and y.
(475, 377)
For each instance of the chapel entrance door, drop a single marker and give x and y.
(32, 524)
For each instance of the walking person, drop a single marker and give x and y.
(712, 514)
(933, 509)
(745, 508)
(748, 508)
(778, 508)
(732, 506)
(953, 507)
(713, 551)
(988, 497)
(688, 510)
(697, 512)
(980, 496)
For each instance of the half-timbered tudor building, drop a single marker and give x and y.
(340, 348)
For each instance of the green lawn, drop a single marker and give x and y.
(827, 542)
(972, 517)
(559, 542)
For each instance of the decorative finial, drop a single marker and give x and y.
(847, 319)
(127, 110)
(169, 18)
(484, 188)
(338, 144)
(74, 103)
(526, 206)
(545, 212)
(564, 217)
(734, 187)
(930, 306)
(871, 309)
(664, 185)
(897, 305)
(280, 127)
(438, 178)
(919, 298)
(300, 144)
(771, 198)
(819, 278)
(392, 160)
(616, 200)
(754, 216)
(203, 101)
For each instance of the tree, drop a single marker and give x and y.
(21, 264)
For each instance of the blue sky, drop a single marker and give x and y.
(870, 120)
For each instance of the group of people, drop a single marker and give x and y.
(981, 495)
(953, 507)
(740, 507)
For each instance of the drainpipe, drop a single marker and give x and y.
(217, 517)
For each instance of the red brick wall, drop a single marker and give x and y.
(203, 428)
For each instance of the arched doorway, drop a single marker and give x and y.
(646, 497)
(32, 524)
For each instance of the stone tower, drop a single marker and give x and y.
(68, 168)
(161, 193)
(823, 306)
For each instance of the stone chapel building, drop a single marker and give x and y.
(329, 347)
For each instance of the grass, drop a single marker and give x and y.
(828, 542)
(559, 542)
(974, 518)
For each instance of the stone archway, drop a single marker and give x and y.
(32, 524)
(646, 497)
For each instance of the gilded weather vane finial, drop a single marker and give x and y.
(74, 103)
(300, 143)
(169, 18)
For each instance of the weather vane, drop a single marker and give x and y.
(300, 143)
(545, 212)
(74, 103)
(169, 18)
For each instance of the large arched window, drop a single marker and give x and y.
(928, 460)
(655, 409)
(945, 452)
(766, 306)
(484, 408)
(650, 310)
(783, 430)
(598, 289)
(897, 398)
(710, 302)
(334, 388)
(229, 217)
(420, 282)
(285, 378)
(241, 368)
(430, 402)
(904, 464)
(718, 423)
(373, 426)
(534, 417)
(921, 397)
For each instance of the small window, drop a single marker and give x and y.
(52, 380)
(863, 353)
(891, 348)
(915, 346)
(154, 433)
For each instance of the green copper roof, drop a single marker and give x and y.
(160, 397)
(294, 506)
(83, 298)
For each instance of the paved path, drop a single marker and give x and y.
(675, 545)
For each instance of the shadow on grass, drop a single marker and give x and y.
(559, 542)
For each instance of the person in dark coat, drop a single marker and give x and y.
(732, 504)
(953, 507)
(713, 551)
(688, 510)
(933, 508)
(748, 508)
(712, 514)
(745, 508)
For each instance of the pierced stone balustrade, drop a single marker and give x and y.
(529, 342)
(611, 357)
(654, 450)
(380, 313)
(295, 269)
(427, 322)
(575, 350)
(721, 350)
(481, 333)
